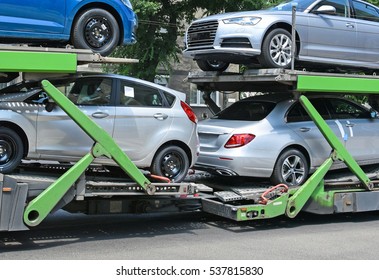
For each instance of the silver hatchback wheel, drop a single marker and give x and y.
(171, 162)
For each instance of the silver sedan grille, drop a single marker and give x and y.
(201, 35)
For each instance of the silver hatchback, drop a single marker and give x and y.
(272, 136)
(329, 33)
(151, 123)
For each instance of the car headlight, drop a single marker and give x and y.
(242, 20)
(127, 4)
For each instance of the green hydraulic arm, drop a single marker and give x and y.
(42, 205)
(328, 84)
(104, 145)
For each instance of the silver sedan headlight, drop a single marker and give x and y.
(242, 20)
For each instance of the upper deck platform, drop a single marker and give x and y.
(277, 80)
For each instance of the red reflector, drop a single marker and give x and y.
(239, 140)
(188, 110)
(225, 158)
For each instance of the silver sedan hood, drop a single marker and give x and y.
(241, 14)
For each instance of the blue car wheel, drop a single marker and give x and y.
(96, 29)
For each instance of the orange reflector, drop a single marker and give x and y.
(5, 189)
(243, 209)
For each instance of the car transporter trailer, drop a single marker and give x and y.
(29, 195)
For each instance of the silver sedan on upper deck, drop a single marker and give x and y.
(329, 33)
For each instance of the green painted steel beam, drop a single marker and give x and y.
(38, 209)
(40, 62)
(353, 85)
(297, 201)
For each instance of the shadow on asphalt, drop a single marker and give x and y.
(63, 228)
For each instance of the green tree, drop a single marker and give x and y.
(161, 22)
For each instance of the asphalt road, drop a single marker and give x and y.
(195, 236)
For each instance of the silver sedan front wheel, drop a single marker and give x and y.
(276, 49)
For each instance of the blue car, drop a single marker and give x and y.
(99, 25)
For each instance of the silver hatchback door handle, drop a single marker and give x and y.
(350, 25)
(305, 129)
(160, 116)
(100, 115)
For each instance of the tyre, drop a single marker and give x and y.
(291, 168)
(171, 162)
(276, 49)
(11, 150)
(212, 65)
(96, 29)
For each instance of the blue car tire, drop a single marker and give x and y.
(96, 29)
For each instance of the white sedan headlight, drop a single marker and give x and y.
(242, 20)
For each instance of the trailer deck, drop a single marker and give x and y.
(28, 197)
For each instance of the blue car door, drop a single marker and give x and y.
(32, 16)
